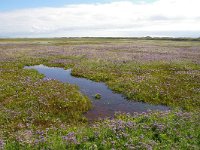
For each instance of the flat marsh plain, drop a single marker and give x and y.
(48, 114)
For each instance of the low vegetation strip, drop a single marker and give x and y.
(152, 130)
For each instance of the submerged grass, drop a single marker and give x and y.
(47, 114)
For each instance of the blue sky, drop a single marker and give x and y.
(117, 18)
(6, 5)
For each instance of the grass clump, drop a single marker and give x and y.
(30, 102)
(97, 96)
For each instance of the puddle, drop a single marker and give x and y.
(109, 103)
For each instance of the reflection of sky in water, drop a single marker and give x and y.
(109, 103)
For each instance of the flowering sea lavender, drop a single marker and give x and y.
(70, 138)
(41, 138)
(130, 124)
(2, 144)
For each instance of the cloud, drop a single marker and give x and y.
(123, 18)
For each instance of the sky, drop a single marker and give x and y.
(99, 18)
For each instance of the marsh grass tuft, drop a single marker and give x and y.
(97, 96)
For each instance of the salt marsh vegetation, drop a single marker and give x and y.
(48, 114)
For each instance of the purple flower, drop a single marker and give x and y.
(141, 136)
(2, 144)
(113, 142)
(130, 124)
(70, 138)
